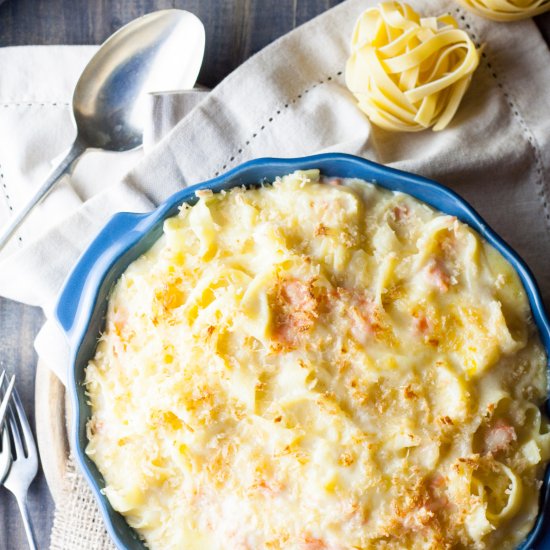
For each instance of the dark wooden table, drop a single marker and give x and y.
(235, 29)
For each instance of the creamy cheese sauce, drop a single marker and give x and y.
(319, 365)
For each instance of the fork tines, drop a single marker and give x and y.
(24, 460)
(6, 397)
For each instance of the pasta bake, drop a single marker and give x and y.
(319, 364)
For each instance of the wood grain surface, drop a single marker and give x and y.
(18, 327)
(52, 422)
(235, 29)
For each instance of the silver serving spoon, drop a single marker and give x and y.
(161, 51)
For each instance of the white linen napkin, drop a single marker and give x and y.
(288, 100)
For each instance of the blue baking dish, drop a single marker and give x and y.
(83, 300)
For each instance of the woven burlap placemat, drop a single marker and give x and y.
(78, 524)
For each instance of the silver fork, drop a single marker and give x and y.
(24, 464)
(5, 449)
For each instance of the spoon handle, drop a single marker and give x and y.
(61, 169)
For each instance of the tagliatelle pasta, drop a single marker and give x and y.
(409, 73)
(319, 364)
(506, 10)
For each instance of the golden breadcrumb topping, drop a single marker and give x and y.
(319, 365)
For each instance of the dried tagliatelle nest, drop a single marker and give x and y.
(409, 73)
(506, 10)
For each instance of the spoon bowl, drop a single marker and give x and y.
(160, 51)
